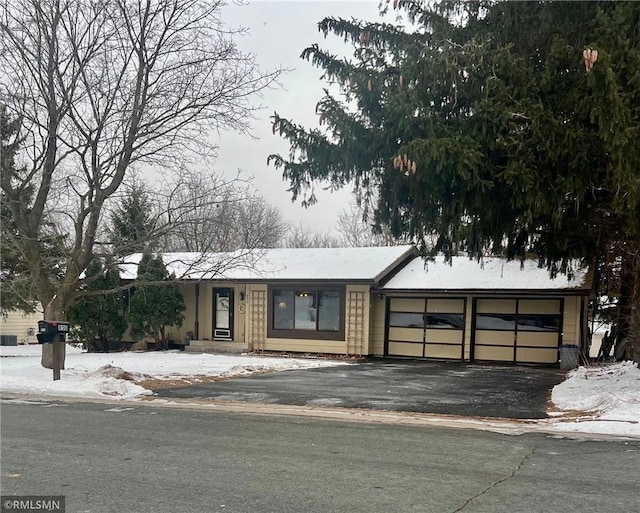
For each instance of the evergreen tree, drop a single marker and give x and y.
(155, 305)
(99, 314)
(503, 127)
(132, 222)
(18, 289)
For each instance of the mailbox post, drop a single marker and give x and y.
(53, 332)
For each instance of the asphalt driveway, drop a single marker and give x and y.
(411, 386)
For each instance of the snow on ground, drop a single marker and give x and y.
(116, 375)
(604, 399)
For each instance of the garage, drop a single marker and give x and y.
(516, 330)
(430, 327)
(495, 311)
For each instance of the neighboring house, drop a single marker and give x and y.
(19, 328)
(380, 301)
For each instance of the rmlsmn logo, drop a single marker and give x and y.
(30, 503)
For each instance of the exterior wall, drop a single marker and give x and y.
(20, 324)
(189, 324)
(377, 324)
(199, 296)
(468, 325)
(356, 319)
(571, 320)
(365, 317)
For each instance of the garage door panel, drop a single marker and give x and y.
(539, 306)
(445, 306)
(406, 305)
(425, 327)
(519, 330)
(405, 349)
(497, 338)
(406, 334)
(496, 306)
(549, 340)
(448, 336)
(536, 355)
(498, 354)
(448, 352)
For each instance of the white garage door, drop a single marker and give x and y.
(426, 328)
(517, 330)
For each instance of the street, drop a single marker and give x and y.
(111, 458)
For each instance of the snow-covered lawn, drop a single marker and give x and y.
(603, 399)
(598, 400)
(116, 375)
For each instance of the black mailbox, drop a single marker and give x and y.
(52, 331)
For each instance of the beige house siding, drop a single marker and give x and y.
(189, 323)
(571, 321)
(376, 324)
(20, 324)
(306, 345)
(468, 323)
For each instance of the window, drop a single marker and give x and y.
(307, 313)
(428, 320)
(406, 320)
(523, 322)
(444, 321)
(533, 322)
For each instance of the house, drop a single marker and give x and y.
(377, 301)
(17, 327)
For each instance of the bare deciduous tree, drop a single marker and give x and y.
(260, 225)
(356, 230)
(100, 87)
(207, 213)
(301, 236)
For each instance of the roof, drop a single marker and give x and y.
(369, 264)
(491, 273)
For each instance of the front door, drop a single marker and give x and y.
(223, 313)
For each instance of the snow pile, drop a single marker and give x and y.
(602, 399)
(117, 375)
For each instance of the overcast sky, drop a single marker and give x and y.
(278, 32)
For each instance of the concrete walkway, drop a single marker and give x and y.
(396, 385)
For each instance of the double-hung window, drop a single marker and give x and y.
(301, 312)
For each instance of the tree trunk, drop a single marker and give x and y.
(633, 334)
(53, 312)
(628, 335)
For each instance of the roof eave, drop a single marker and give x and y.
(396, 266)
(511, 292)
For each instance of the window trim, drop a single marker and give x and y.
(306, 334)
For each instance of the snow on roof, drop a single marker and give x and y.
(341, 264)
(492, 273)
